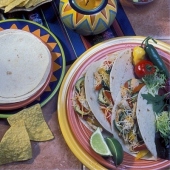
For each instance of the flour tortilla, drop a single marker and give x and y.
(121, 72)
(146, 121)
(92, 95)
(24, 68)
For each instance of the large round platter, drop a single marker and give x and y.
(75, 133)
(58, 58)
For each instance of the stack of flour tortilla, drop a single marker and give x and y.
(25, 64)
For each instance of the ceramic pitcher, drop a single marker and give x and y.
(88, 17)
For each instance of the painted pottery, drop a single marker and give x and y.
(88, 17)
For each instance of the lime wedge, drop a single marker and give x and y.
(116, 150)
(98, 143)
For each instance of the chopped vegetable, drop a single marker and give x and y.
(79, 84)
(105, 76)
(163, 125)
(125, 116)
(102, 87)
(154, 81)
(107, 111)
(154, 56)
(80, 103)
(144, 68)
(138, 54)
(141, 154)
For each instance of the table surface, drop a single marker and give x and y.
(149, 20)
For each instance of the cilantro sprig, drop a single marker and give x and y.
(158, 102)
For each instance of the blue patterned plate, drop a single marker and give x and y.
(56, 51)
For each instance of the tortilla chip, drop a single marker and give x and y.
(22, 4)
(15, 144)
(12, 5)
(29, 3)
(37, 2)
(36, 126)
(4, 3)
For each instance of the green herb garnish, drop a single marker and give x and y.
(154, 81)
(163, 125)
(157, 101)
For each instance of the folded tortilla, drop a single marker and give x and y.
(146, 121)
(92, 95)
(121, 72)
(25, 64)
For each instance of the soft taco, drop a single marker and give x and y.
(99, 82)
(129, 125)
(81, 106)
(83, 89)
(146, 118)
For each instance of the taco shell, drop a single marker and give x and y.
(92, 94)
(146, 121)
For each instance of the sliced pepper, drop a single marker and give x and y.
(141, 154)
(82, 108)
(107, 113)
(137, 89)
(108, 96)
(131, 136)
(138, 54)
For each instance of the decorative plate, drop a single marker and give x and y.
(57, 53)
(17, 9)
(75, 133)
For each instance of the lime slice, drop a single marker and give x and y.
(116, 150)
(98, 143)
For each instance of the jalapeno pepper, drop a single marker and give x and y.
(154, 56)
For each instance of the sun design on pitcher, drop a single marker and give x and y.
(93, 21)
(50, 46)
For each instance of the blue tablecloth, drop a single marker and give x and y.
(73, 44)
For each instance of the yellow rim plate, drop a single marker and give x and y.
(69, 137)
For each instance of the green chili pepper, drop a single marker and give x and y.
(154, 56)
